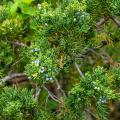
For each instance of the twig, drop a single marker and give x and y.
(16, 43)
(93, 51)
(91, 113)
(37, 92)
(51, 95)
(102, 21)
(88, 51)
(59, 87)
(78, 69)
(16, 62)
(116, 21)
(46, 101)
(11, 78)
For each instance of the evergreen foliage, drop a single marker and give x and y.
(69, 50)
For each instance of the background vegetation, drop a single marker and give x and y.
(59, 60)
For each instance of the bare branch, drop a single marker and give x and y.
(37, 92)
(88, 111)
(17, 62)
(14, 78)
(102, 21)
(59, 87)
(92, 50)
(116, 21)
(78, 69)
(51, 95)
(16, 43)
(46, 102)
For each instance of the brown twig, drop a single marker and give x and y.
(102, 21)
(115, 20)
(78, 69)
(17, 62)
(88, 111)
(37, 92)
(16, 43)
(52, 95)
(59, 87)
(46, 102)
(14, 78)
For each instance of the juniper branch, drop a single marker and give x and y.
(51, 95)
(59, 87)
